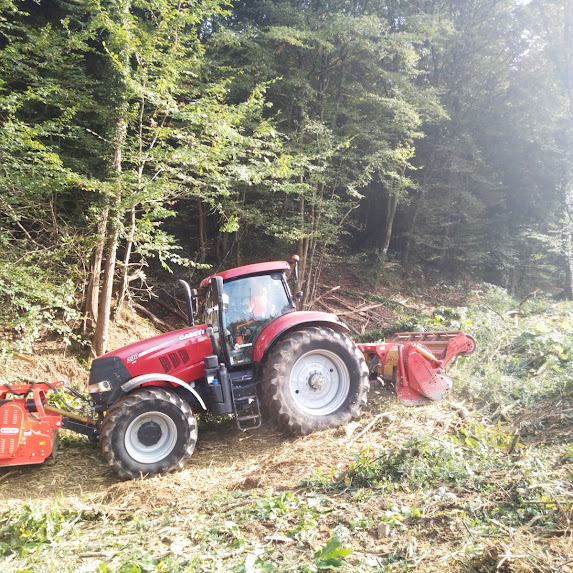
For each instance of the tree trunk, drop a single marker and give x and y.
(100, 338)
(202, 232)
(412, 228)
(237, 245)
(419, 200)
(392, 205)
(302, 242)
(126, 259)
(567, 241)
(567, 72)
(92, 295)
(313, 268)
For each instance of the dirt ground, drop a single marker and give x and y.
(224, 458)
(227, 459)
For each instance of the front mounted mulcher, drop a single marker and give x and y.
(29, 425)
(249, 348)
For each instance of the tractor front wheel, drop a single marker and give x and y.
(314, 379)
(148, 432)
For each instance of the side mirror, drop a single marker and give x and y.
(194, 304)
(190, 300)
(217, 283)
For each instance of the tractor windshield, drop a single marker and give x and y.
(249, 304)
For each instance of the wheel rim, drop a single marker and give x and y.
(150, 437)
(319, 382)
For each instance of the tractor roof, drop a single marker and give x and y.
(258, 268)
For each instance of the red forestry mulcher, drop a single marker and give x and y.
(250, 348)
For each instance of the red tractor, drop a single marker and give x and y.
(250, 347)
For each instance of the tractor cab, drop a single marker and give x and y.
(239, 304)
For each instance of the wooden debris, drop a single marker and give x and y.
(325, 294)
(359, 317)
(359, 310)
(368, 426)
(156, 320)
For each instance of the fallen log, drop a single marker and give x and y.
(156, 320)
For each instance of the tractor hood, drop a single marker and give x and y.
(179, 354)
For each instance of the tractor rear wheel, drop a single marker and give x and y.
(148, 432)
(314, 379)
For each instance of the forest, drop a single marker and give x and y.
(416, 154)
(147, 139)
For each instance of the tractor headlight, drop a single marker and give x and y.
(100, 387)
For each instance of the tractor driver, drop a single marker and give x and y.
(258, 305)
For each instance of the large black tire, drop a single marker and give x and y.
(148, 432)
(314, 379)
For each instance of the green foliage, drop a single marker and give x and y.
(271, 506)
(425, 462)
(107, 114)
(349, 102)
(524, 350)
(35, 527)
(332, 555)
(35, 301)
(139, 562)
(568, 453)
(255, 565)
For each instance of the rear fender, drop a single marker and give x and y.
(291, 321)
(148, 378)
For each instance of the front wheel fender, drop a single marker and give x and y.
(147, 378)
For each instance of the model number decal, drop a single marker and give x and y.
(193, 334)
(9, 431)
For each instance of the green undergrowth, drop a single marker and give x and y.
(479, 463)
(525, 350)
(469, 484)
(494, 482)
(216, 537)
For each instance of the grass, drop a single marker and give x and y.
(480, 482)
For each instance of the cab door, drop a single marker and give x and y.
(249, 305)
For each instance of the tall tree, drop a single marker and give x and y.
(171, 134)
(349, 103)
(485, 172)
(108, 110)
(44, 189)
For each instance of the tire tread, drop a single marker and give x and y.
(128, 402)
(275, 374)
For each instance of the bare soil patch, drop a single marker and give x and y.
(225, 458)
